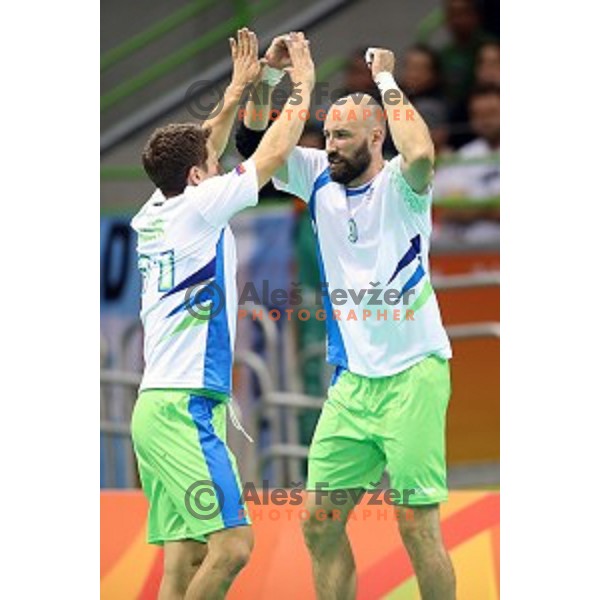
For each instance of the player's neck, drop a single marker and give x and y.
(376, 165)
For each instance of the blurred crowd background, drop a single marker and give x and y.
(448, 62)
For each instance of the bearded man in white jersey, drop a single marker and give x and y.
(187, 258)
(386, 406)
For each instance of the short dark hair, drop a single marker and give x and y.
(171, 152)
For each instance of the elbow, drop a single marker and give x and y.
(422, 159)
(423, 154)
(278, 160)
(280, 150)
(419, 170)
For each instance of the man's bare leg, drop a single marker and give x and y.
(181, 561)
(422, 537)
(325, 534)
(228, 552)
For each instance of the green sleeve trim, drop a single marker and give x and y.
(418, 203)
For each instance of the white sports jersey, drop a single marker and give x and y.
(373, 245)
(187, 257)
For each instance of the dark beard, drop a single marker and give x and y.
(350, 168)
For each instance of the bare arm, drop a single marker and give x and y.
(246, 70)
(258, 107)
(284, 134)
(408, 129)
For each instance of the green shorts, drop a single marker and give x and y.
(397, 421)
(188, 473)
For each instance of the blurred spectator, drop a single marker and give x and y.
(458, 59)
(421, 73)
(436, 117)
(357, 76)
(421, 80)
(487, 71)
(484, 112)
(476, 179)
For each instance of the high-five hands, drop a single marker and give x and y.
(302, 69)
(244, 54)
(277, 54)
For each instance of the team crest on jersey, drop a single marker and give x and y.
(240, 169)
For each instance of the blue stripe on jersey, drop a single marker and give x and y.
(339, 371)
(414, 279)
(409, 256)
(202, 274)
(193, 301)
(336, 351)
(359, 190)
(217, 356)
(320, 181)
(217, 460)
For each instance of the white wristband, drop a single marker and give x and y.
(271, 76)
(385, 81)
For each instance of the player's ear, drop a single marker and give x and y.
(194, 176)
(377, 135)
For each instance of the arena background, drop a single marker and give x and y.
(152, 53)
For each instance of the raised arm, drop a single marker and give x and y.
(246, 71)
(408, 129)
(258, 106)
(284, 134)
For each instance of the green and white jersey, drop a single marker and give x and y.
(373, 244)
(187, 258)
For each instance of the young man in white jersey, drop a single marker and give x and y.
(189, 308)
(387, 403)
